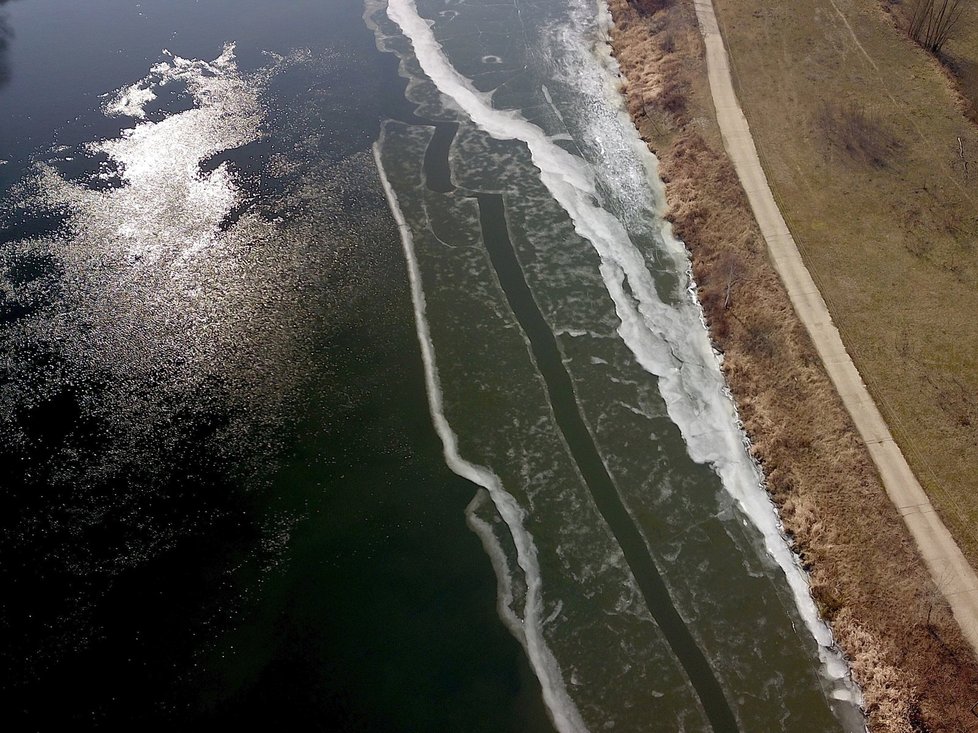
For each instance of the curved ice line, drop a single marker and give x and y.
(497, 558)
(563, 711)
(663, 339)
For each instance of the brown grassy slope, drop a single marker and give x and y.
(916, 670)
(959, 57)
(891, 243)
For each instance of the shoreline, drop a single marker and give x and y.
(906, 651)
(948, 567)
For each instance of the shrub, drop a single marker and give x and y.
(850, 127)
(933, 22)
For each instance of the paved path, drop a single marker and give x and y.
(951, 572)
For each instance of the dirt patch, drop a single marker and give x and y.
(907, 653)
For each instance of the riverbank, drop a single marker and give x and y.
(872, 160)
(906, 651)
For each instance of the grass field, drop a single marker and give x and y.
(890, 237)
(960, 55)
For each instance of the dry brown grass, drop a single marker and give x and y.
(849, 127)
(958, 56)
(916, 670)
(892, 248)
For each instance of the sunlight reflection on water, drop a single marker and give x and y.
(160, 260)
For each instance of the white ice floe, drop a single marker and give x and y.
(669, 340)
(563, 711)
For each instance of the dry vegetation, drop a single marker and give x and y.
(959, 56)
(916, 670)
(948, 29)
(892, 246)
(847, 126)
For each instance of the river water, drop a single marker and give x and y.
(352, 379)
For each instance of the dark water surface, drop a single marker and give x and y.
(222, 498)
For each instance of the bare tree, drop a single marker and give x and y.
(932, 22)
(731, 269)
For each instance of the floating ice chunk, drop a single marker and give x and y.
(131, 101)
